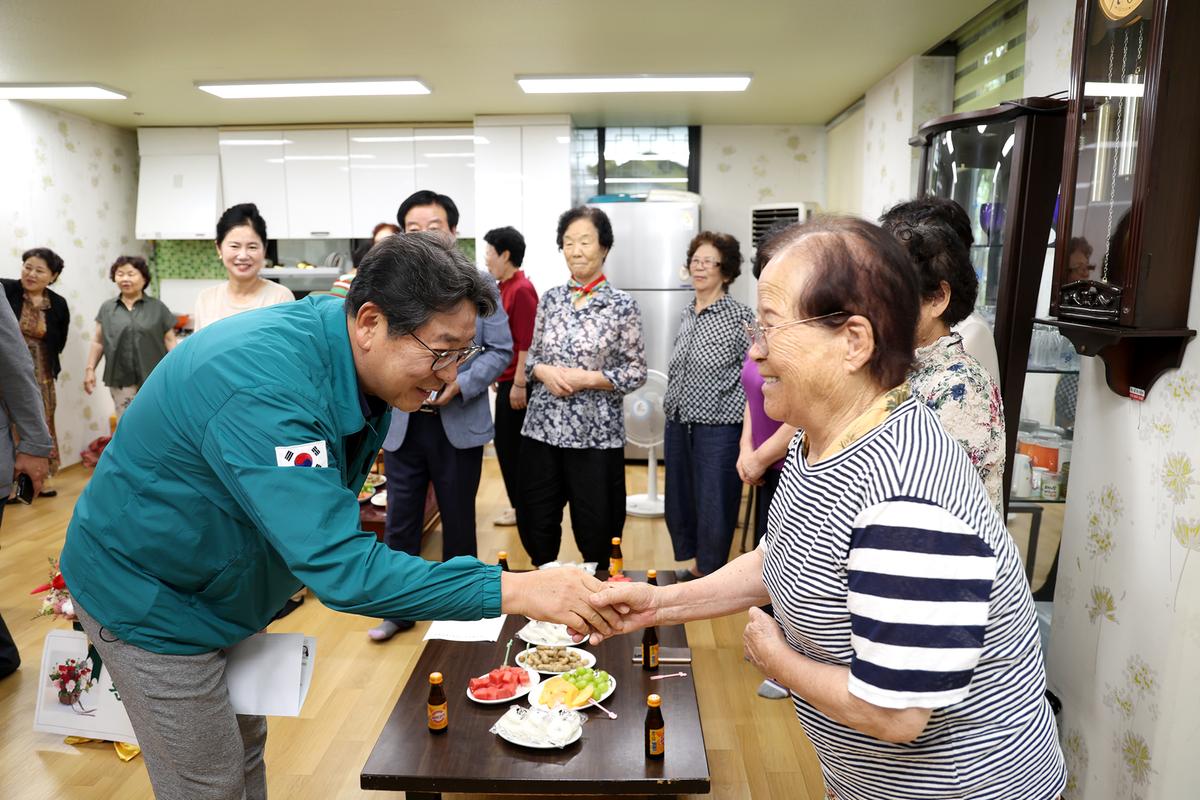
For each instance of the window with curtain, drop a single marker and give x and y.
(633, 160)
(990, 63)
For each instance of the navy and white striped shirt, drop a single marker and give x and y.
(888, 558)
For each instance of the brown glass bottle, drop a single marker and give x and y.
(616, 561)
(439, 719)
(503, 560)
(656, 733)
(650, 635)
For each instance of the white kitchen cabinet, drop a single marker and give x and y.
(253, 171)
(524, 180)
(546, 173)
(318, 184)
(445, 163)
(179, 183)
(179, 197)
(382, 174)
(177, 142)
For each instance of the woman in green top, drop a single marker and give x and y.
(133, 333)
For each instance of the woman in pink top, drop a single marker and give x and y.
(242, 247)
(765, 441)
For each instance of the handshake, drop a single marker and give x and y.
(588, 607)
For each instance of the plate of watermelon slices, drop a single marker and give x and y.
(502, 685)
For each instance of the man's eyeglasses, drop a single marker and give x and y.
(756, 332)
(444, 358)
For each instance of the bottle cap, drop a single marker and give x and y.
(502, 554)
(651, 573)
(435, 677)
(616, 540)
(654, 701)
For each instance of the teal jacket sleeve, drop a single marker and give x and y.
(310, 518)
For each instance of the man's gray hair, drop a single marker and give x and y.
(412, 276)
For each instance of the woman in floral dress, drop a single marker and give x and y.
(948, 379)
(44, 319)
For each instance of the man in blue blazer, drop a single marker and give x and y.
(443, 441)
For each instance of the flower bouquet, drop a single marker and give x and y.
(57, 602)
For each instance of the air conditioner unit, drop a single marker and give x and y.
(763, 218)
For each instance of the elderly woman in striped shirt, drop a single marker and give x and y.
(904, 628)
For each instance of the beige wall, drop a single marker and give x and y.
(70, 184)
(844, 149)
(917, 91)
(744, 165)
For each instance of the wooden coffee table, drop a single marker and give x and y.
(608, 759)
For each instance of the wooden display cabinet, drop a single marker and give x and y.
(1002, 165)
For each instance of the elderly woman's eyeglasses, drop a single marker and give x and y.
(444, 358)
(756, 332)
(703, 263)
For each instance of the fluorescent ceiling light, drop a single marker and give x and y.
(448, 155)
(350, 87)
(1099, 89)
(447, 138)
(254, 142)
(592, 84)
(59, 91)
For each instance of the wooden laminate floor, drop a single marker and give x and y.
(756, 748)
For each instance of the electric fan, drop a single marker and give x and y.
(645, 421)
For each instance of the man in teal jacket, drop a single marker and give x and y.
(232, 480)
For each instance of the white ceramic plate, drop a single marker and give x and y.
(536, 744)
(589, 660)
(375, 480)
(539, 745)
(380, 498)
(534, 679)
(535, 701)
(551, 634)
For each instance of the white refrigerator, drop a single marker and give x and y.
(650, 242)
(647, 260)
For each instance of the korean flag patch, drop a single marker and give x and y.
(312, 454)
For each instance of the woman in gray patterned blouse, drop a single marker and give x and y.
(586, 354)
(705, 403)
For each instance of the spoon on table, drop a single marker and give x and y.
(611, 715)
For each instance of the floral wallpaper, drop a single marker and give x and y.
(1049, 25)
(70, 185)
(746, 165)
(917, 91)
(1125, 636)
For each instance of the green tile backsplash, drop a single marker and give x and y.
(187, 259)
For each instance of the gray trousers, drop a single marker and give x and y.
(195, 747)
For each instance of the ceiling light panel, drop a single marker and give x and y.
(59, 91)
(602, 84)
(366, 87)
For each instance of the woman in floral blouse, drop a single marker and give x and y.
(949, 380)
(45, 320)
(586, 354)
(705, 405)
